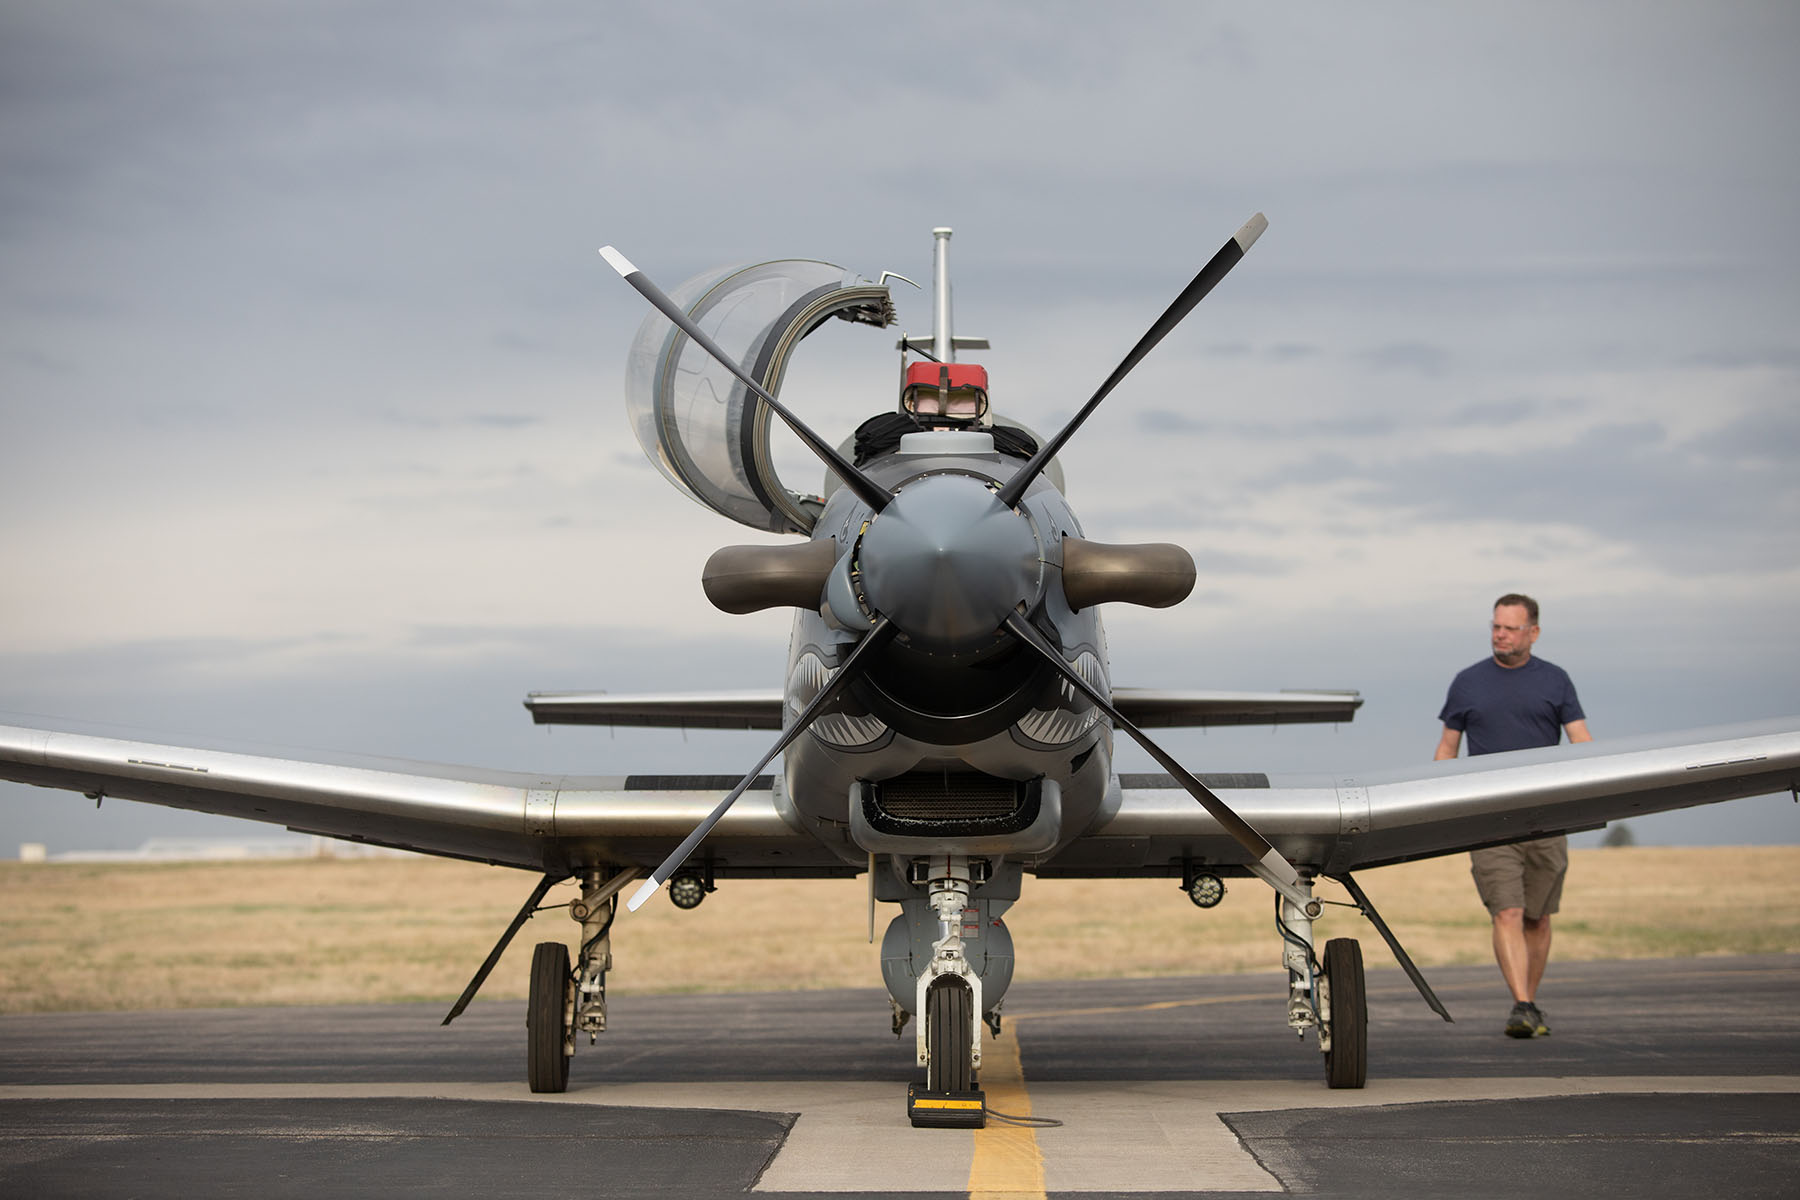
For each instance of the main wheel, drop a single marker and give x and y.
(547, 1014)
(1347, 1062)
(949, 1021)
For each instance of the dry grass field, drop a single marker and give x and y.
(108, 937)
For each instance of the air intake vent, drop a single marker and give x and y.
(938, 803)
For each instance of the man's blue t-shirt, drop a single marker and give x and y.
(1511, 708)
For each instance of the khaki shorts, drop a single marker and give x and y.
(1527, 875)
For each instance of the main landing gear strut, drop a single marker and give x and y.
(563, 1002)
(1329, 997)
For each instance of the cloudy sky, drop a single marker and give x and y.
(311, 430)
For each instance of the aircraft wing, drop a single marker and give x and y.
(1149, 708)
(1154, 828)
(513, 819)
(1337, 824)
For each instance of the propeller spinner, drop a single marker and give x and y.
(948, 563)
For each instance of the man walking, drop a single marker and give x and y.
(1513, 701)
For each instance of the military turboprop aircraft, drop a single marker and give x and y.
(947, 720)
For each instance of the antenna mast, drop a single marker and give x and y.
(943, 344)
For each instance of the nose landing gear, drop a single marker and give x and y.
(949, 1038)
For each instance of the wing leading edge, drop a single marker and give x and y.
(515, 819)
(1337, 824)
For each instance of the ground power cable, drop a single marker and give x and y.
(1024, 1122)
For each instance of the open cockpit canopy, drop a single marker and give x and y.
(700, 425)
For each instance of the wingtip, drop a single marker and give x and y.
(1253, 229)
(617, 262)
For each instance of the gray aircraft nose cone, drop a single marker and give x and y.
(946, 562)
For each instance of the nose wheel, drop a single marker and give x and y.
(949, 1099)
(948, 1040)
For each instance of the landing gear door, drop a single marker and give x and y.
(697, 422)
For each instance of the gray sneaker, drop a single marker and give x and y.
(1522, 1021)
(1540, 1021)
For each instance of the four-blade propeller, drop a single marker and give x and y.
(949, 563)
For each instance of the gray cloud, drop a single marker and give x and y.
(1279, 352)
(1211, 563)
(1410, 356)
(1500, 414)
(506, 420)
(1708, 505)
(1163, 422)
(1293, 352)
(1770, 438)
(1783, 357)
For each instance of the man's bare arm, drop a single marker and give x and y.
(1451, 742)
(1578, 731)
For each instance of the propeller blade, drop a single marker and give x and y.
(879, 636)
(1228, 257)
(866, 489)
(1269, 866)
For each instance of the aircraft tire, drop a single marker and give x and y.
(1347, 1062)
(546, 1030)
(948, 1048)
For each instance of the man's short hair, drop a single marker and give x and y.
(1524, 602)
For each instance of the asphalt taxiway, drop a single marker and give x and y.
(1661, 1078)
